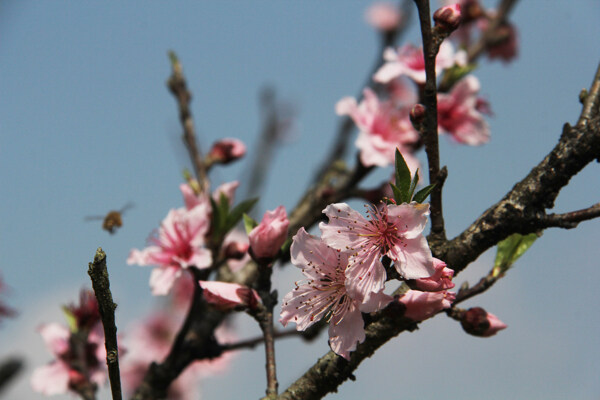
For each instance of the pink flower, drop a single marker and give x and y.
(460, 112)
(267, 238)
(423, 305)
(383, 128)
(440, 280)
(66, 373)
(409, 61)
(478, 322)
(87, 314)
(384, 16)
(392, 230)
(226, 296)
(324, 295)
(227, 150)
(178, 245)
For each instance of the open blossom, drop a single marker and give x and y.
(461, 112)
(179, 244)
(409, 61)
(440, 280)
(392, 230)
(384, 16)
(383, 129)
(324, 295)
(65, 373)
(267, 238)
(423, 305)
(226, 295)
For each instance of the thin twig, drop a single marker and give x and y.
(572, 219)
(591, 104)
(252, 343)
(430, 123)
(99, 274)
(489, 35)
(178, 87)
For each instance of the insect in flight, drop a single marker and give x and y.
(113, 220)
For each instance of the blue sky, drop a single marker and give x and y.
(87, 125)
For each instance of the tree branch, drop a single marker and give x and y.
(99, 275)
(178, 87)
(430, 124)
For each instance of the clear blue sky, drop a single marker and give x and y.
(87, 125)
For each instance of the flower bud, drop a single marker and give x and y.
(423, 305)
(440, 280)
(478, 322)
(448, 18)
(384, 16)
(417, 114)
(227, 150)
(267, 238)
(226, 296)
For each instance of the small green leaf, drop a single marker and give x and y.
(249, 223)
(510, 249)
(71, 320)
(402, 177)
(397, 194)
(413, 185)
(423, 193)
(238, 211)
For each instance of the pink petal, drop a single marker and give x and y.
(410, 219)
(56, 337)
(389, 71)
(162, 279)
(365, 276)
(51, 379)
(347, 332)
(229, 295)
(415, 260)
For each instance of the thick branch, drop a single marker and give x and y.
(99, 274)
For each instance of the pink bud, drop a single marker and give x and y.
(417, 114)
(384, 16)
(478, 322)
(226, 296)
(267, 238)
(440, 280)
(423, 305)
(227, 150)
(448, 18)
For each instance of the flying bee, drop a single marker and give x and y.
(113, 220)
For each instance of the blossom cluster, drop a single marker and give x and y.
(345, 275)
(80, 355)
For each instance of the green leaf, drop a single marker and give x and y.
(402, 177)
(510, 249)
(413, 186)
(71, 320)
(397, 193)
(249, 223)
(423, 193)
(237, 213)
